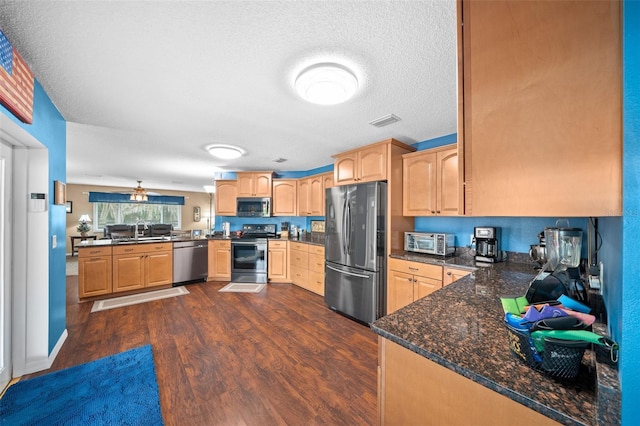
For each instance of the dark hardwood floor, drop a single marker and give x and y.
(280, 357)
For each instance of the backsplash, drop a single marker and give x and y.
(518, 233)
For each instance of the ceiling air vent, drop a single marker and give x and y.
(385, 121)
(279, 160)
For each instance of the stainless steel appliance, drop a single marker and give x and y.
(249, 253)
(430, 243)
(190, 262)
(487, 244)
(253, 207)
(355, 243)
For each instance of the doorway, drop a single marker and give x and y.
(6, 183)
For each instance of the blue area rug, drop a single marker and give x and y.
(120, 389)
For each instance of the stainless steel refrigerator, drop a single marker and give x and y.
(355, 240)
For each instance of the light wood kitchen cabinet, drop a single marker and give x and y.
(278, 262)
(136, 266)
(94, 271)
(410, 281)
(311, 196)
(366, 164)
(413, 390)
(226, 197)
(307, 266)
(327, 180)
(299, 261)
(450, 275)
(254, 184)
(430, 182)
(316, 269)
(540, 117)
(285, 197)
(219, 260)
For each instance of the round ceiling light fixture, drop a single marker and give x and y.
(326, 83)
(225, 152)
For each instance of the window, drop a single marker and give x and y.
(129, 213)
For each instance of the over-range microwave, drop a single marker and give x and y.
(253, 207)
(440, 244)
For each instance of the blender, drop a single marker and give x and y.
(560, 275)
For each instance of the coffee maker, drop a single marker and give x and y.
(487, 240)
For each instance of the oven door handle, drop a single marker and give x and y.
(348, 273)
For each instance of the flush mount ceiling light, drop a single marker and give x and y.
(139, 194)
(225, 152)
(326, 84)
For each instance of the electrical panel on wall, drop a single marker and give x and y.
(37, 202)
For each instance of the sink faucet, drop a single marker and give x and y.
(136, 230)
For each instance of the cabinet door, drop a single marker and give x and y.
(450, 275)
(225, 198)
(159, 268)
(128, 272)
(419, 184)
(372, 163)
(94, 276)
(244, 182)
(327, 180)
(219, 256)
(542, 123)
(262, 184)
(345, 169)
(424, 286)
(447, 183)
(316, 196)
(399, 290)
(285, 200)
(303, 197)
(277, 264)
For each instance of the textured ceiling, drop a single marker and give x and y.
(146, 85)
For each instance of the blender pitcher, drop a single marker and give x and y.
(564, 246)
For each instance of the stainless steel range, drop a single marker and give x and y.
(249, 253)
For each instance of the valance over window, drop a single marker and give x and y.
(112, 197)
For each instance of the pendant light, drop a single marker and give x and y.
(139, 194)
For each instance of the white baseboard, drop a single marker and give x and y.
(33, 366)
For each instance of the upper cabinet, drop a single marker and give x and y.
(430, 182)
(254, 184)
(311, 196)
(366, 164)
(540, 108)
(226, 197)
(285, 199)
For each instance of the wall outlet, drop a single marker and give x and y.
(471, 242)
(54, 241)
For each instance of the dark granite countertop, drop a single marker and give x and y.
(461, 327)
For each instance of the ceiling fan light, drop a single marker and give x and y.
(326, 84)
(139, 194)
(225, 152)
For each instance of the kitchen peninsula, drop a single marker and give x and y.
(445, 358)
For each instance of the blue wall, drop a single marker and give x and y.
(626, 309)
(50, 128)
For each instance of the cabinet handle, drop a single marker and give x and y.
(410, 280)
(415, 281)
(412, 269)
(433, 212)
(448, 273)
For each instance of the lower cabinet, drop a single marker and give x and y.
(409, 281)
(450, 275)
(307, 266)
(137, 266)
(413, 390)
(94, 271)
(278, 264)
(219, 260)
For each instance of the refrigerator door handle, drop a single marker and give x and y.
(348, 273)
(344, 227)
(348, 226)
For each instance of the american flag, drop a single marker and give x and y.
(16, 82)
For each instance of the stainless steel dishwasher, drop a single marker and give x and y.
(189, 262)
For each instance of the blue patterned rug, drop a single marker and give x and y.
(120, 389)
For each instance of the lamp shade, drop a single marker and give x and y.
(84, 218)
